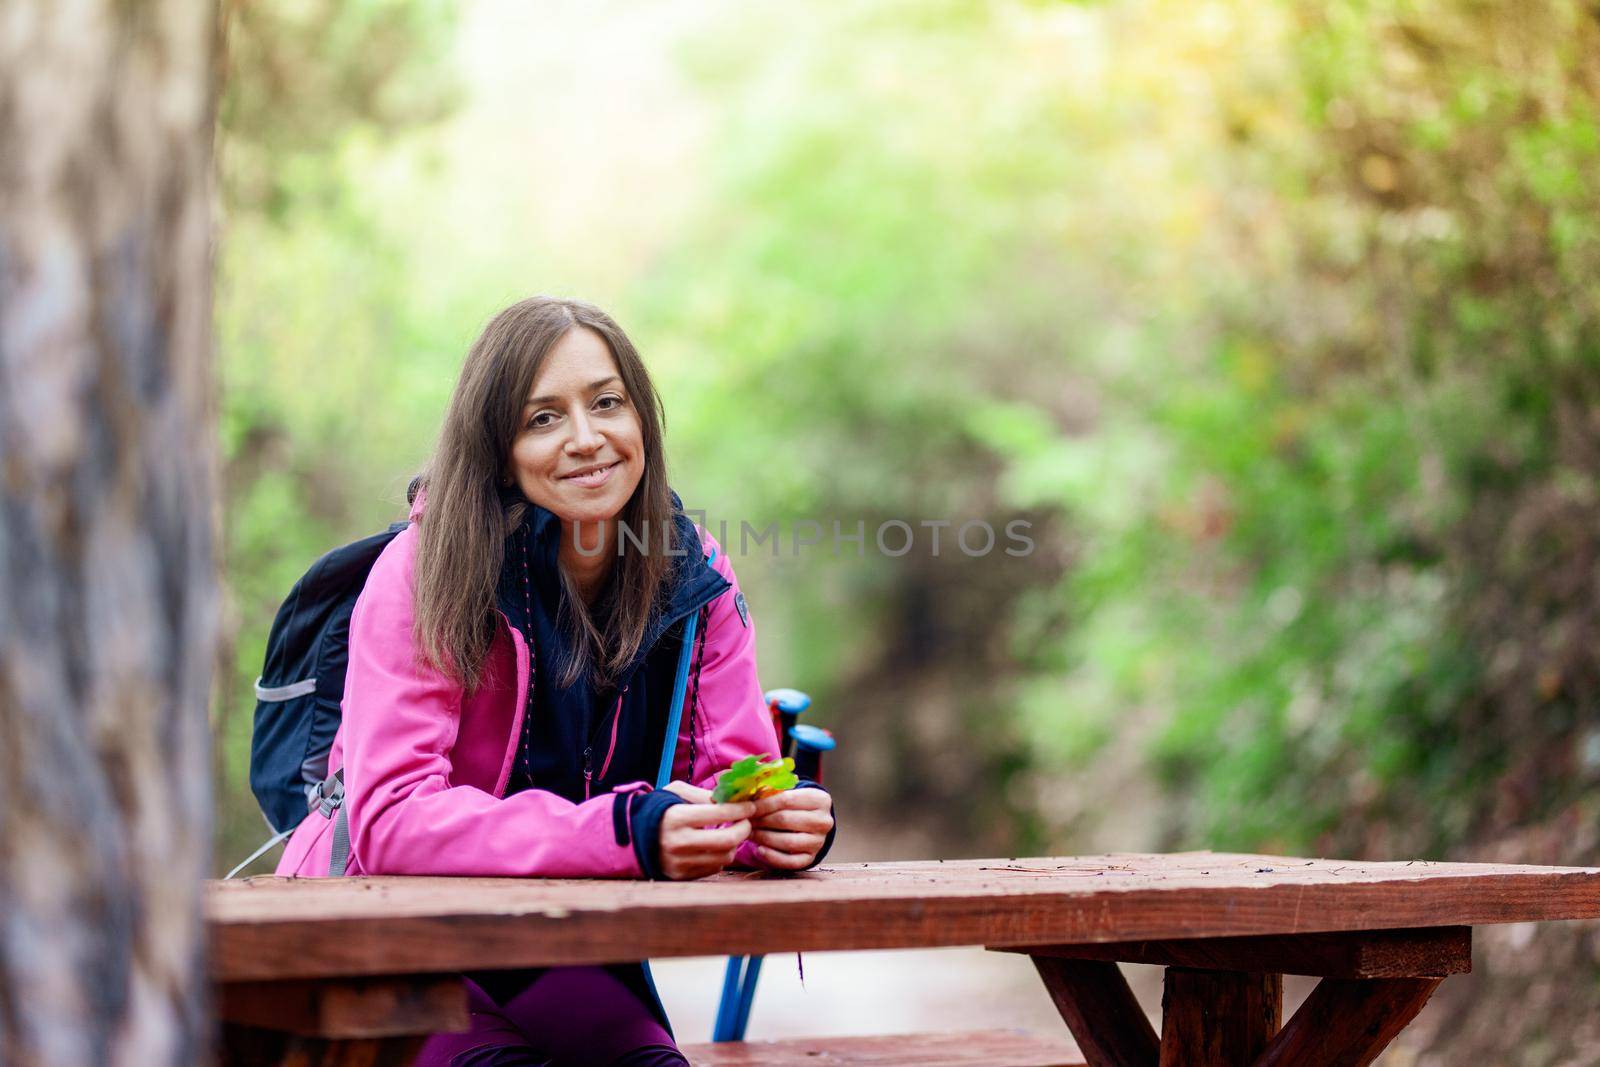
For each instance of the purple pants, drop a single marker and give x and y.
(561, 1017)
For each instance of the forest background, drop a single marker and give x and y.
(1279, 320)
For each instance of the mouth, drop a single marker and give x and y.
(591, 477)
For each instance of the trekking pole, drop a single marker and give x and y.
(740, 977)
(808, 743)
(786, 706)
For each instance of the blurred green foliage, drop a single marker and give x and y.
(316, 95)
(1278, 321)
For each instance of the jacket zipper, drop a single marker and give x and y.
(588, 749)
(611, 749)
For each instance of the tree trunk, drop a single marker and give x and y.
(107, 584)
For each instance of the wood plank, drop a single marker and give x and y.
(1218, 1018)
(349, 1007)
(1094, 999)
(1363, 954)
(982, 1048)
(1348, 1023)
(244, 1046)
(274, 928)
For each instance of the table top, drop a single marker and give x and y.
(276, 928)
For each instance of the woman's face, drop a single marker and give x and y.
(580, 450)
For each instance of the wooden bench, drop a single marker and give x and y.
(981, 1048)
(323, 971)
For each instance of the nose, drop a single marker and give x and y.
(585, 438)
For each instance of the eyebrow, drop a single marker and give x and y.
(536, 401)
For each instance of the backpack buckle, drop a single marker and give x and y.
(329, 795)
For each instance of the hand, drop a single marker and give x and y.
(700, 838)
(790, 827)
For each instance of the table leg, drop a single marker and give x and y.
(1347, 1022)
(249, 1046)
(1100, 1010)
(1218, 1018)
(1223, 998)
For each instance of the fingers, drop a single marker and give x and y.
(692, 793)
(794, 800)
(789, 828)
(785, 841)
(684, 868)
(684, 833)
(810, 822)
(693, 814)
(694, 853)
(699, 839)
(785, 861)
(681, 840)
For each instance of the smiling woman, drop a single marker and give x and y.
(580, 452)
(589, 404)
(514, 665)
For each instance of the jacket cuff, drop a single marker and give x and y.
(822, 853)
(644, 827)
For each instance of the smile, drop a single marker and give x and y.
(592, 478)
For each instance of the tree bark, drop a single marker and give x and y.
(107, 583)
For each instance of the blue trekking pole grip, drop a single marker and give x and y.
(809, 743)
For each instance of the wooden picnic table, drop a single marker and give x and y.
(336, 971)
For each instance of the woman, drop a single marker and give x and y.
(512, 656)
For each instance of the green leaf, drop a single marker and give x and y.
(752, 779)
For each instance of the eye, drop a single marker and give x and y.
(608, 402)
(542, 419)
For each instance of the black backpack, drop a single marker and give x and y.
(302, 681)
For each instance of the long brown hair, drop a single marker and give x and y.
(463, 531)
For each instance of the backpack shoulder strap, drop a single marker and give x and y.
(340, 858)
(680, 683)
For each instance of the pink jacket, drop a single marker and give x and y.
(426, 765)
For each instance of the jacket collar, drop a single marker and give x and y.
(690, 584)
(693, 583)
